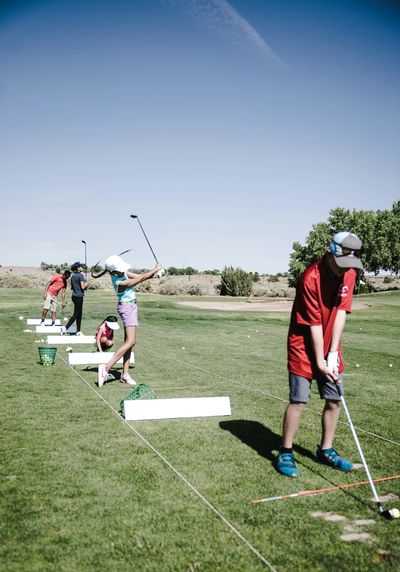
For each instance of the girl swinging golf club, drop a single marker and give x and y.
(124, 283)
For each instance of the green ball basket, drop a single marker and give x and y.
(142, 391)
(47, 356)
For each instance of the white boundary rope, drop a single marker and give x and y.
(263, 392)
(177, 473)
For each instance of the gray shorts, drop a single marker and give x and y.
(300, 388)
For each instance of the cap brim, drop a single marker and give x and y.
(348, 262)
(113, 325)
(124, 267)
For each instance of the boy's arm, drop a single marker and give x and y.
(317, 342)
(337, 332)
(45, 289)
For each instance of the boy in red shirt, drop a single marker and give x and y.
(323, 298)
(54, 285)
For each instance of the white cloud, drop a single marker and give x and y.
(225, 20)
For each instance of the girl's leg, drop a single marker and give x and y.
(130, 340)
(127, 354)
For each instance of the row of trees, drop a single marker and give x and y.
(379, 232)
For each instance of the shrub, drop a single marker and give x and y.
(235, 282)
(143, 286)
(195, 290)
(388, 279)
(273, 278)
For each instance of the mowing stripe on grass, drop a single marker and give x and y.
(177, 473)
(263, 392)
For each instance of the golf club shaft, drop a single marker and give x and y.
(144, 234)
(364, 462)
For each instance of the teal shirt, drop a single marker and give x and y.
(127, 295)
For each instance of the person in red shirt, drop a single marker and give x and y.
(323, 299)
(57, 283)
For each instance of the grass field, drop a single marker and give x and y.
(84, 490)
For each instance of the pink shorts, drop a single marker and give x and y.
(128, 313)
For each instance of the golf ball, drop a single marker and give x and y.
(390, 365)
(183, 348)
(357, 365)
(395, 513)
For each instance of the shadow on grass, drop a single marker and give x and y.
(264, 441)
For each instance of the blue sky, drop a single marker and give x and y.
(230, 128)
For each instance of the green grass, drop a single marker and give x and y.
(83, 490)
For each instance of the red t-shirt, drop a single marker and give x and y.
(57, 283)
(320, 294)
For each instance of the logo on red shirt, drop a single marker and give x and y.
(344, 291)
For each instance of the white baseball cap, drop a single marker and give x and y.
(115, 263)
(113, 325)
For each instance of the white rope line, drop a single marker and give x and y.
(263, 392)
(177, 473)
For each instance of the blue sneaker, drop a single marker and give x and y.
(286, 466)
(333, 459)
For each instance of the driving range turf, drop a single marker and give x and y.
(84, 490)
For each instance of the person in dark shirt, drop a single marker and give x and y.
(78, 286)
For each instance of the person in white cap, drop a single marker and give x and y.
(323, 298)
(124, 283)
(105, 333)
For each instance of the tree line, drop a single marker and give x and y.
(379, 232)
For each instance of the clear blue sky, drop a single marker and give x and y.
(230, 128)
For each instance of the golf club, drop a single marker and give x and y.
(389, 514)
(84, 242)
(144, 234)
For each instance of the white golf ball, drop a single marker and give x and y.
(21, 317)
(390, 365)
(183, 348)
(357, 365)
(395, 513)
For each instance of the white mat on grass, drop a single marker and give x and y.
(141, 409)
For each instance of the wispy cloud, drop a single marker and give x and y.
(221, 17)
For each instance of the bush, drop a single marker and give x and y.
(143, 286)
(365, 287)
(388, 279)
(273, 278)
(195, 290)
(235, 282)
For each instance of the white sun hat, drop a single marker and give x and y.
(113, 325)
(115, 263)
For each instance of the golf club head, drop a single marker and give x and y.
(134, 216)
(390, 513)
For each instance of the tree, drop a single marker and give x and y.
(235, 282)
(379, 232)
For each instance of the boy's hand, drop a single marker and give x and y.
(333, 362)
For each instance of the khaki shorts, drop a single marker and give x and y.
(50, 303)
(300, 388)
